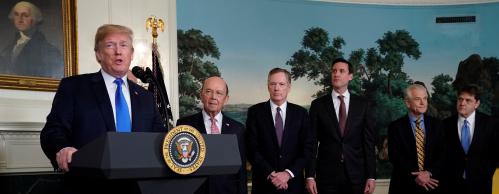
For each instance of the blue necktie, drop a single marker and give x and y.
(465, 136)
(123, 123)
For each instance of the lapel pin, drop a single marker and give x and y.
(227, 124)
(136, 93)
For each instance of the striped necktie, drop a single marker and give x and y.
(420, 144)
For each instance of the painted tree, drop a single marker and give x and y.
(194, 51)
(392, 48)
(314, 58)
(443, 97)
(378, 71)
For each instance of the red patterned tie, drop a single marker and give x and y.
(214, 127)
(342, 115)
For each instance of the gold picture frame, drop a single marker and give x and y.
(69, 52)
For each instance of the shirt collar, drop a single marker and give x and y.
(345, 94)
(283, 106)
(413, 118)
(470, 119)
(23, 38)
(109, 80)
(218, 116)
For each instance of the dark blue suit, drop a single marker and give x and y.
(403, 155)
(81, 111)
(223, 184)
(264, 152)
(480, 162)
(351, 156)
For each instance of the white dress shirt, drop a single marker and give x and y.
(273, 108)
(21, 42)
(337, 102)
(471, 125)
(111, 91)
(207, 121)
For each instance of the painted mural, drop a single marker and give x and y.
(390, 47)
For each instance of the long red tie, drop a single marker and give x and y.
(279, 128)
(342, 116)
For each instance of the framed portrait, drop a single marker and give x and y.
(39, 44)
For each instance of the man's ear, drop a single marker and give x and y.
(98, 56)
(226, 99)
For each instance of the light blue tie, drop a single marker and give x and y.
(465, 136)
(123, 123)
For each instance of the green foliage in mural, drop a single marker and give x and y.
(314, 59)
(194, 50)
(443, 98)
(378, 72)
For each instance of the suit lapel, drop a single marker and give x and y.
(353, 108)
(428, 131)
(408, 134)
(104, 104)
(226, 126)
(199, 123)
(134, 100)
(479, 126)
(454, 136)
(287, 124)
(331, 112)
(270, 122)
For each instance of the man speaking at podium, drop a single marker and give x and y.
(89, 105)
(214, 95)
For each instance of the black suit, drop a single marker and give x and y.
(264, 152)
(351, 156)
(223, 184)
(479, 163)
(403, 155)
(82, 111)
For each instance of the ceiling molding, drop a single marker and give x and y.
(411, 2)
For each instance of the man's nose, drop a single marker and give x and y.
(118, 50)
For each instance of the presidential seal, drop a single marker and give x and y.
(184, 149)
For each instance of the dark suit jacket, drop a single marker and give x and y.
(481, 160)
(357, 145)
(37, 58)
(266, 156)
(403, 155)
(81, 112)
(223, 184)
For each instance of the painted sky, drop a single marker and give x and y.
(255, 36)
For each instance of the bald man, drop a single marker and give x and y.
(214, 95)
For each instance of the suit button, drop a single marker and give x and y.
(280, 156)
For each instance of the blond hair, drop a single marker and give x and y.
(107, 29)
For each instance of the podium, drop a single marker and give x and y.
(138, 156)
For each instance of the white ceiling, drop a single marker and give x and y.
(412, 2)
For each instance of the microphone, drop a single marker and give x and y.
(142, 75)
(148, 75)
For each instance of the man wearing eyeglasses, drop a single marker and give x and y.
(214, 95)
